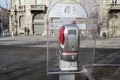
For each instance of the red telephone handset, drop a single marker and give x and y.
(62, 35)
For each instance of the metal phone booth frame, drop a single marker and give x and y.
(62, 12)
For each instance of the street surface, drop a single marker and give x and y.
(39, 41)
(24, 58)
(22, 63)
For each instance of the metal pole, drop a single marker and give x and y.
(67, 77)
(2, 30)
(12, 34)
(68, 66)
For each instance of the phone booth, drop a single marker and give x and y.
(71, 32)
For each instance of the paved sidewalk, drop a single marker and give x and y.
(27, 41)
(108, 43)
(40, 41)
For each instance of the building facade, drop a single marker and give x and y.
(31, 14)
(109, 17)
(4, 19)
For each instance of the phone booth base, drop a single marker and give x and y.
(67, 77)
(68, 66)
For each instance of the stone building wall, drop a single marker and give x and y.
(27, 15)
(104, 17)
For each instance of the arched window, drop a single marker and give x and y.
(21, 2)
(38, 23)
(39, 17)
(37, 2)
(21, 21)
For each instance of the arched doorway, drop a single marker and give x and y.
(114, 25)
(38, 24)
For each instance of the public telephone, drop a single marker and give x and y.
(69, 42)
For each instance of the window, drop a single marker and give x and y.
(37, 2)
(21, 21)
(39, 16)
(21, 2)
(12, 3)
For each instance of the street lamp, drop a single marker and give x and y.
(16, 21)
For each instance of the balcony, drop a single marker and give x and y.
(114, 7)
(38, 8)
(21, 8)
(9, 11)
